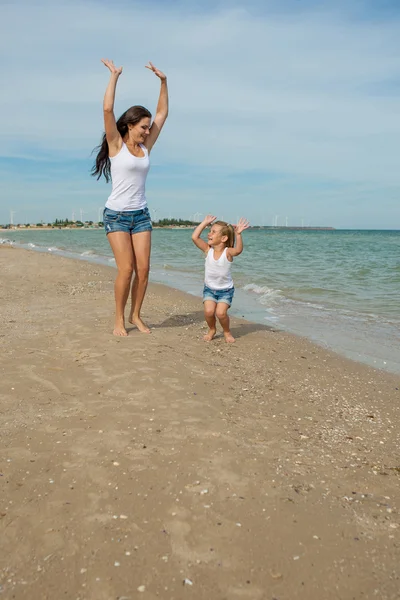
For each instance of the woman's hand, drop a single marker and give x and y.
(157, 72)
(242, 225)
(110, 65)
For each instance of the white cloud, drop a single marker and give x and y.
(310, 95)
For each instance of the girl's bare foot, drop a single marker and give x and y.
(139, 324)
(229, 338)
(210, 335)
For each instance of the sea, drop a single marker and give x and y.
(338, 288)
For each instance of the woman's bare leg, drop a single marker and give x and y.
(121, 246)
(141, 246)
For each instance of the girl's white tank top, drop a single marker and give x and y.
(218, 272)
(128, 175)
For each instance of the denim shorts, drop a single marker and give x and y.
(129, 221)
(218, 295)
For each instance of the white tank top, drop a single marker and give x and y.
(218, 272)
(128, 175)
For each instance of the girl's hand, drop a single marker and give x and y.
(242, 225)
(157, 72)
(110, 65)
(209, 219)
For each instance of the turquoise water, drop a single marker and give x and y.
(338, 288)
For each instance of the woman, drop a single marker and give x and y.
(124, 157)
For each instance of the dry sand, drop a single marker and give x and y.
(159, 466)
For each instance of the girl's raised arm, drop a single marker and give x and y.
(198, 231)
(239, 228)
(162, 108)
(113, 137)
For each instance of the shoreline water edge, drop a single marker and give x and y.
(349, 316)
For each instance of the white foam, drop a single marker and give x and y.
(261, 290)
(267, 295)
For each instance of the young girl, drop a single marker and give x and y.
(218, 285)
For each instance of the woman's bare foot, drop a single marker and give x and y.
(139, 324)
(229, 338)
(119, 329)
(210, 335)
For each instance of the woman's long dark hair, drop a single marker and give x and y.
(102, 165)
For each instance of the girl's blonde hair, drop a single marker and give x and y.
(227, 230)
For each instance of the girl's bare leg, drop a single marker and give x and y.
(222, 314)
(209, 315)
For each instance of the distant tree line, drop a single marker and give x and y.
(68, 223)
(175, 223)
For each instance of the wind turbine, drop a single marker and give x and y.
(12, 213)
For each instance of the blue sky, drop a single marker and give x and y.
(282, 108)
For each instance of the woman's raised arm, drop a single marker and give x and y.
(162, 108)
(113, 137)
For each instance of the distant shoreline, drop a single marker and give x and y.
(255, 227)
(267, 227)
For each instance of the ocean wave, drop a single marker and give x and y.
(6, 242)
(267, 295)
(30, 245)
(260, 289)
(316, 291)
(88, 253)
(290, 307)
(169, 267)
(54, 249)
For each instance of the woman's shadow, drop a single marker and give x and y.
(181, 320)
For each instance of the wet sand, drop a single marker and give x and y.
(160, 466)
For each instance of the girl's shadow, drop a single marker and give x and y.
(186, 319)
(243, 329)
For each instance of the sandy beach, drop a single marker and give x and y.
(159, 466)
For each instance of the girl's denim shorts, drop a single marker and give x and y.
(218, 295)
(129, 221)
